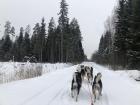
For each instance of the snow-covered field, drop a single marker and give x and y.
(12, 71)
(53, 88)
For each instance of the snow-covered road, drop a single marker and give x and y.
(54, 89)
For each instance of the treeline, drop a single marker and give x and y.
(62, 43)
(120, 44)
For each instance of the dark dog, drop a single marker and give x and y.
(76, 85)
(97, 86)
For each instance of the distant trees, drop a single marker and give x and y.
(62, 43)
(124, 50)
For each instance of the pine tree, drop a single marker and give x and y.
(58, 44)
(107, 47)
(12, 31)
(51, 41)
(18, 45)
(76, 52)
(26, 45)
(101, 45)
(1, 50)
(101, 51)
(42, 41)
(35, 47)
(134, 50)
(120, 49)
(12, 49)
(7, 44)
(63, 24)
(7, 30)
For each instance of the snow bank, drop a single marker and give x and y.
(134, 74)
(48, 67)
(11, 71)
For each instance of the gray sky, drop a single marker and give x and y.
(91, 15)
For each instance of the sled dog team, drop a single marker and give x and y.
(81, 73)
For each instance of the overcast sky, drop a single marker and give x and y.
(91, 15)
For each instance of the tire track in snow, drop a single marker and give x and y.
(39, 93)
(58, 96)
(60, 93)
(65, 94)
(55, 84)
(55, 96)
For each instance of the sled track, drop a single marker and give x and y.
(55, 96)
(39, 93)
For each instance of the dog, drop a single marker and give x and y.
(76, 85)
(81, 68)
(89, 73)
(97, 86)
(83, 72)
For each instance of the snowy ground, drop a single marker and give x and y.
(13, 71)
(134, 74)
(54, 89)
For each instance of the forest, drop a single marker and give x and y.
(61, 43)
(119, 45)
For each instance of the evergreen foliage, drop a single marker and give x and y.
(124, 50)
(62, 43)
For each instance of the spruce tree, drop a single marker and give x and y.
(6, 43)
(1, 50)
(63, 24)
(6, 46)
(51, 41)
(120, 49)
(42, 41)
(76, 52)
(7, 30)
(35, 47)
(18, 44)
(12, 31)
(134, 51)
(58, 44)
(26, 45)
